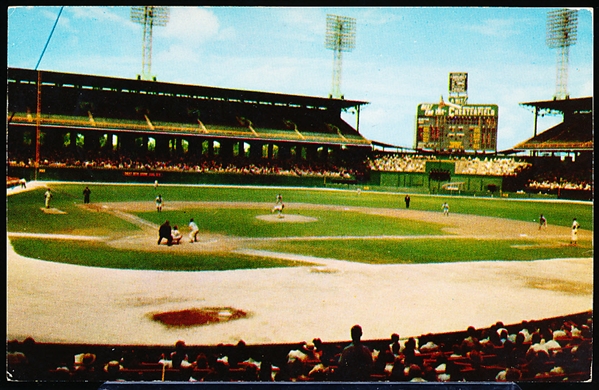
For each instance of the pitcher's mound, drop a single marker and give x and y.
(286, 218)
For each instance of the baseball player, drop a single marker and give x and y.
(159, 203)
(193, 234)
(48, 196)
(575, 227)
(445, 207)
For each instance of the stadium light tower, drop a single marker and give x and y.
(340, 37)
(148, 16)
(561, 34)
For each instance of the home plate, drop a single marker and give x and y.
(286, 218)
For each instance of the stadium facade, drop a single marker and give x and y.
(85, 116)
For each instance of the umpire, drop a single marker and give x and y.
(165, 232)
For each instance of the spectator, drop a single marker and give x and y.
(415, 373)
(112, 371)
(265, 373)
(324, 353)
(395, 345)
(17, 364)
(355, 363)
(398, 373)
(179, 354)
(84, 366)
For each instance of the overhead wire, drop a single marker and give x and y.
(49, 37)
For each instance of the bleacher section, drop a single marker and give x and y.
(574, 134)
(555, 349)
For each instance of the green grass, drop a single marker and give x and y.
(420, 251)
(557, 213)
(97, 254)
(24, 215)
(243, 223)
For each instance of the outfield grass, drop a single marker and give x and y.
(24, 215)
(422, 251)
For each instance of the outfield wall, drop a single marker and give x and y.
(415, 182)
(472, 184)
(147, 176)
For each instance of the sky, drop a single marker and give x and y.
(402, 56)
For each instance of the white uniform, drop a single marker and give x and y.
(48, 196)
(193, 234)
(575, 226)
(279, 206)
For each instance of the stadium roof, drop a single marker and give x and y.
(209, 97)
(575, 133)
(566, 106)
(179, 90)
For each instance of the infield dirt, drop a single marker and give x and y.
(56, 302)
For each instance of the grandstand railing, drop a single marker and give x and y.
(186, 128)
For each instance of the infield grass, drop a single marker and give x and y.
(24, 215)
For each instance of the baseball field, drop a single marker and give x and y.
(94, 273)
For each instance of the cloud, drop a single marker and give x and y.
(193, 26)
(496, 27)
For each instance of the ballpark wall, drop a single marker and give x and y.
(421, 182)
(120, 176)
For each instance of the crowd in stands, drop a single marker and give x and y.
(561, 184)
(489, 166)
(399, 163)
(237, 165)
(497, 166)
(558, 349)
(567, 177)
(533, 179)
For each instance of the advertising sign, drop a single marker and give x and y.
(458, 82)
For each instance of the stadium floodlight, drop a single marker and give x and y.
(148, 16)
(340, 37)
(561, 34)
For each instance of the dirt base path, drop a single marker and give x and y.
(56, 302)
(458, 225)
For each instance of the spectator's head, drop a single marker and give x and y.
(356, 333)
(513, 374)
(394, 337)
(88, 359)
(112, 368)
(317, 343)
(414, 371)
(471, 331)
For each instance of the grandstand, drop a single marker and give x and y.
(91, 117)
(574, 135)
(561, 157)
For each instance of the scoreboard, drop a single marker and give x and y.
(457, 128)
